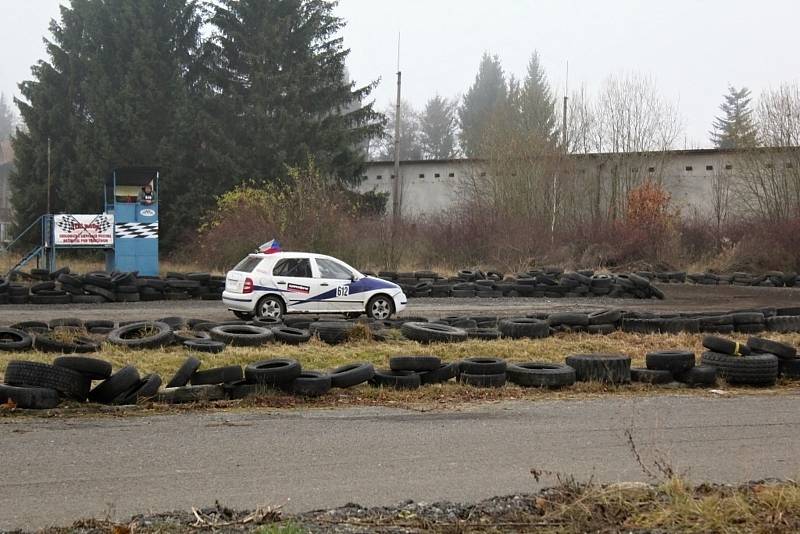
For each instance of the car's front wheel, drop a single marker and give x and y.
(271, 307)
(380, 307)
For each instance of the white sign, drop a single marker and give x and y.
(84, 230)
(147, 212)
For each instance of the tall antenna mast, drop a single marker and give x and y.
(397, 188)
(564, 113)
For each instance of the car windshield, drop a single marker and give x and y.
(248, 264)
(333, 269)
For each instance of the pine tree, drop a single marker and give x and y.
(537, 105)
(482, 99)
(438, 129)
(410, 134)
(735, 128)
(280, 70)
(115, 91)
(6, 119)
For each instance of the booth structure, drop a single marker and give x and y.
(131, 196)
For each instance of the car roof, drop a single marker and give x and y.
(287, 254)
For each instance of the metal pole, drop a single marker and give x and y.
(397, 189)
(48, 176)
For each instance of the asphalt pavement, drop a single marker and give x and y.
(54, 471)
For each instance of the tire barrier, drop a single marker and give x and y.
(34, 385)
(63, 287)
(549, 283)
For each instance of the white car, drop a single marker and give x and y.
(271, 285)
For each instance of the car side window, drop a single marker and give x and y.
(332, 269)
(295, 267)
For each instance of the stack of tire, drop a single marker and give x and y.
(663, 367)
(483, 371)
(549, 282)
(35, 385)
(410, 372)
(191, 384)
(738, 364)
(788, 362)
(614, 369)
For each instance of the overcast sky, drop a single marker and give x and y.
(694, 49)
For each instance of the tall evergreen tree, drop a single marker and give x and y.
(438, 129)
(481, 100)
(735, 128)
(280, 70)
(537, 105)
(6, 119)
(115, 91)
(410, 134)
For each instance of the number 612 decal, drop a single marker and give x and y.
(342, 291)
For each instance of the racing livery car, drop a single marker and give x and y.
(271, 285)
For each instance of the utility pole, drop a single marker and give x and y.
(48, 176)
(566, 150)
(397, 187)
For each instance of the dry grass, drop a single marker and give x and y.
(319, 356)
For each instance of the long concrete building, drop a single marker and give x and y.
(431, 186)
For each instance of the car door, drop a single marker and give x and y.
(334, 280)
(293, 277)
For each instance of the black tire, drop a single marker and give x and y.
(755, 369)
(205, 345)
(540, 374)
(191, 394)
(351, 375)
(245, 316)
(92, 368)
(145, 389)
(67, 382)
(291, 336)
(568, 318)
(120, 382)
(99, 323)
(275, 372)
(79, 345)
(27, 325)
(414, 363)
(482, 365)
(87, 299)
(242, 335)
(785, 324)
(29, 397)
(674, 361)
(125, 335)
(483, 381)
(72, 322)
(332, 332)
(184, 373)
(789, 369)
(603, 317)
(725, 346)
(12, 339)
(266, 322)
(524, 327)
(608, 368)
(601, 329)
(99, 291)
(176, 323)
(217, 375)
(396, 379)
(651, 376)
(181, 336)
(62, 298)
(242, 390)
(699, 375)
(445, 372)
(311, 384)
(431, 333)
(781, 350)
(483, 333)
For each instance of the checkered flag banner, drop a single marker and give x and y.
(135, 230)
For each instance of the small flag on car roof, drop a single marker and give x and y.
(270, 247)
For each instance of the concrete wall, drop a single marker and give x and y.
(432, 186)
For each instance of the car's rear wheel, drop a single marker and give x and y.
(380, 307)
(245, 316)
(270, 306)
